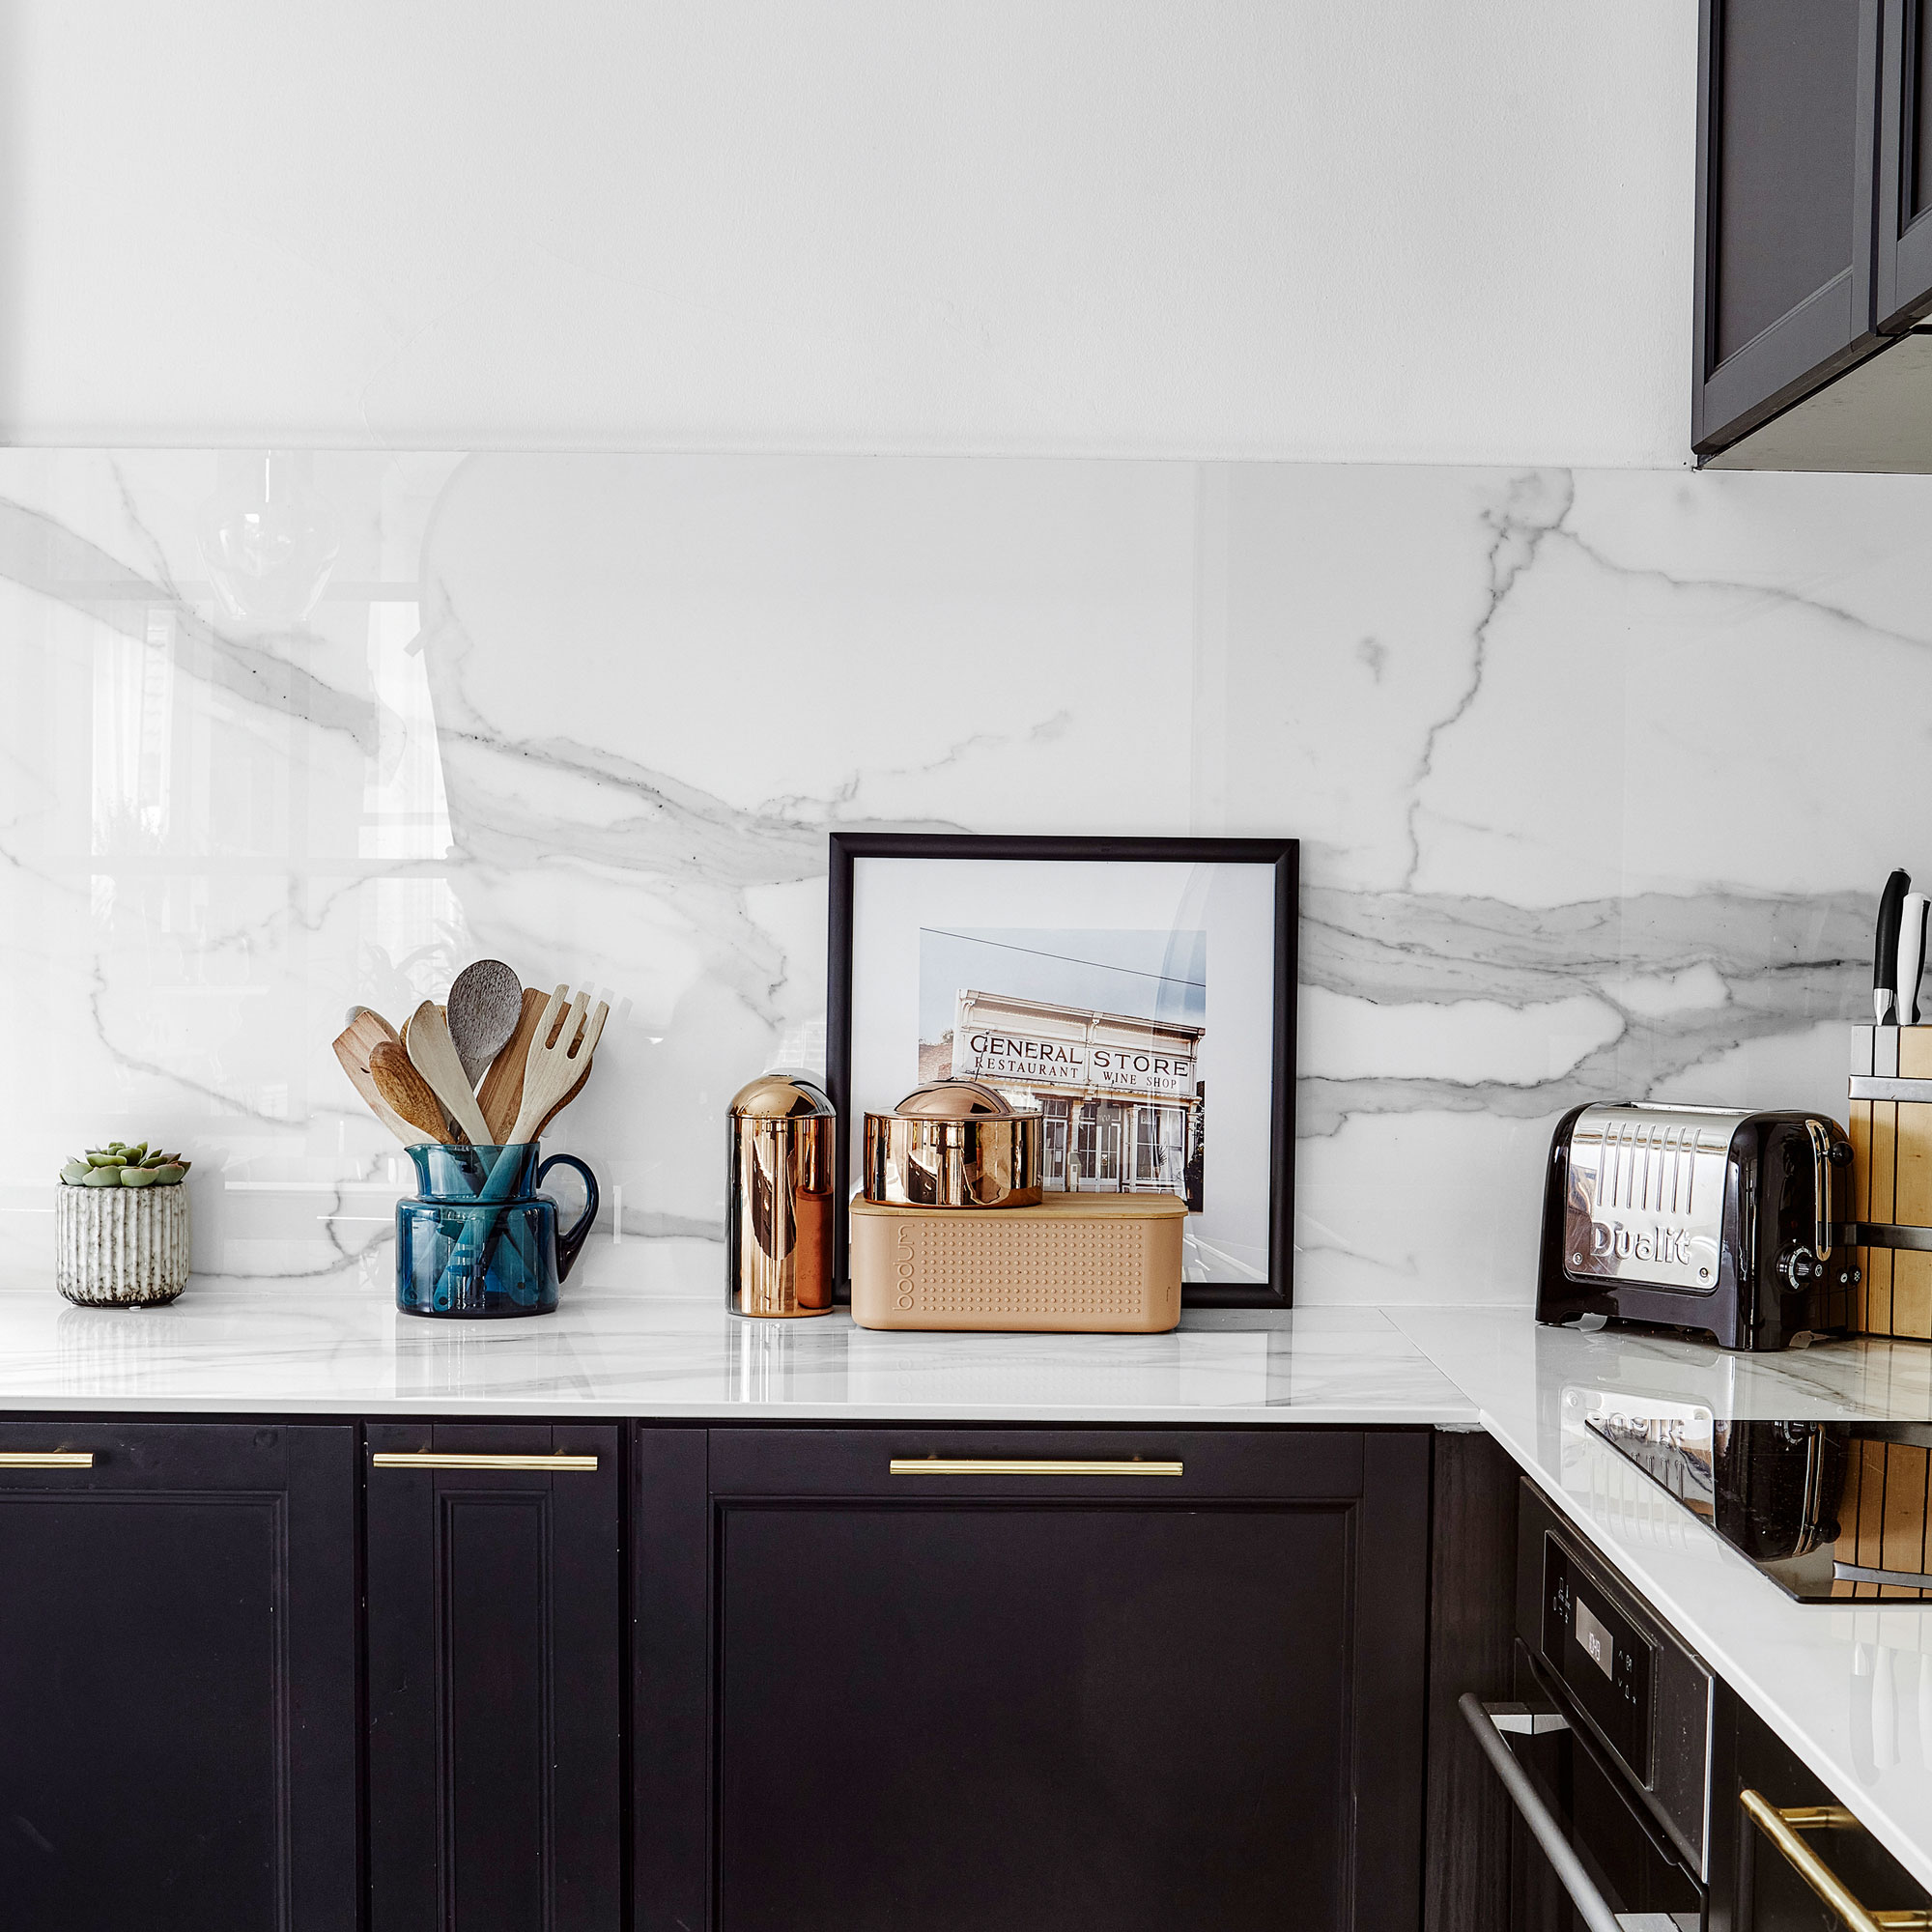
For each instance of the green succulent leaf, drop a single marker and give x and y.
(76, 1172)
(103, 1177)
(169, 1173)
(139, 1177)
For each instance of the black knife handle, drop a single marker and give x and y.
(1884, 945)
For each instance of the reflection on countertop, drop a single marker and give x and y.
(625, 1349)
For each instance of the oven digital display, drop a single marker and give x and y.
(1595, 1641)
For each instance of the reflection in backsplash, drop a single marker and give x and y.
(1580, 760)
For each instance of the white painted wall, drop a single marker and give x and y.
(1357, 229)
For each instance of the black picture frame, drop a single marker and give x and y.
(1282, 855)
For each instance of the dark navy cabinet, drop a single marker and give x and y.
(178, 1679)
(1071, 1679)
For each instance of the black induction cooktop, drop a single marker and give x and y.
(1831, 1512)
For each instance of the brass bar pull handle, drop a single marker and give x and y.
(47, 1459)
(1782, 1826)
(438, 1458)
(992, 1466)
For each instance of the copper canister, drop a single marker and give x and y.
(783, 1134)
(954, 1144)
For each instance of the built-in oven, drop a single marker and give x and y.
(1605, 1749)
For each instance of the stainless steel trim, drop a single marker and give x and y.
(1522, 1721)
(1888, 1087)
(47, 1459)
(437, 1459)
(1645, 1197)
(1884, 1234)
(1592, 1907)
(1859, 1573)
(974, 1466)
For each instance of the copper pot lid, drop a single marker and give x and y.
(956, 1101)
(780, 1096)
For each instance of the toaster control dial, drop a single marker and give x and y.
(1800, 1268)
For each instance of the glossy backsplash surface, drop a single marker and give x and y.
(1597, 775)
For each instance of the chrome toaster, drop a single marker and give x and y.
(1704, 1218)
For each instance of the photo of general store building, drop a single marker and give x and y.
(1122, 1095)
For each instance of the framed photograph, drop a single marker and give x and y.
(1139, 992)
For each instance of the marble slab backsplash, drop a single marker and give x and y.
(1598, 773)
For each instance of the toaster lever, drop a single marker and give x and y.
(1820, 1189)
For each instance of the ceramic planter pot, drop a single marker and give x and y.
(121, 1247)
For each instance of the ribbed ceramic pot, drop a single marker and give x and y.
(121, 1247)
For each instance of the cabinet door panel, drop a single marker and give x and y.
(1110, 1702)
(1904, 258)
(1788, 112)
(178, 1678)
(494, 1634)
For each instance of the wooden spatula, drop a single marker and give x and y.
(408, 1093)
(501, 1093)
(484, 1004)
(433, 1053)
(366, 1031)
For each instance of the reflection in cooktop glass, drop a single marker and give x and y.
(1831, 1512)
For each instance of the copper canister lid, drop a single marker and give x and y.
(954, 1143)
(779, 1096)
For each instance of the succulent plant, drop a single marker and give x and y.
(119, 1165)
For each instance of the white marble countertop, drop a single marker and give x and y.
(227, 1349)
(1849, 1689)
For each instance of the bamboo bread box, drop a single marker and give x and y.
(1891, 1128)
(1094, 1264)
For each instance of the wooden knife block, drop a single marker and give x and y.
(1891, 1176)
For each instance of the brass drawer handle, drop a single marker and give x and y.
(47, 1459)
(973, 1465)
(437, 1459)
(1782, 1826)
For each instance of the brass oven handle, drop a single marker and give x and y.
(1782, 1826)
(438, 1458)
(974, 1466)
(47, 1459)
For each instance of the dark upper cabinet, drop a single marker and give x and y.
(1787, 122)
(177, 1677)
(1023, 1695)
(495, 1633)
(1903, 263)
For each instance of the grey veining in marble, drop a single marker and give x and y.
(1597, 775)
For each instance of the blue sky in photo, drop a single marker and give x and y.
(1150, 976)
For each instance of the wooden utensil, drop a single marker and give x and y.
(433, 1053)
(366, 1031)
(593, 1029)
(558, 1060)
(407, 1092)
(502, 1093)
(484, 1004)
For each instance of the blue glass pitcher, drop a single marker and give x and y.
(478, 1239)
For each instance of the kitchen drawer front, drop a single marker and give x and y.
(1086, 1465)
(138, 1456)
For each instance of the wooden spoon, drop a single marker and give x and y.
(485, 1005)
(501, 1093)
(407, 1092)
(366, 1031)
(433, 1053)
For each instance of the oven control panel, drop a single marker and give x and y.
(1606, 1665)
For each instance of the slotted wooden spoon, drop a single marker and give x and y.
(558, 1062)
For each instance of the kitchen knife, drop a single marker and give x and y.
(1911, 956)
(1885, 950)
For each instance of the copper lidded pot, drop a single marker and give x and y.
(954, 1144)
(782, 1137)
